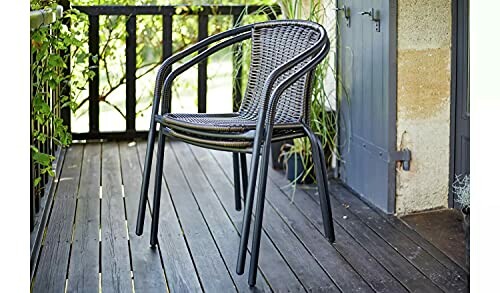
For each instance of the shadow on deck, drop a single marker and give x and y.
(90, 242)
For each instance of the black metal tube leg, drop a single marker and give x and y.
(322, 180)
(328, 212)
(244, 173)
(139, 228)
(237, 185)
(157, 192)
(247, 216)
(259, 213)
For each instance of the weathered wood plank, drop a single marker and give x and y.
(446, 279)
(211, 268)
(307, 269)
(339, 270)
(53, 264)
(365, 265)
(396, 264)
(452, 242)
(83, 275)
(272, 265)
(179, 267)
(221, 227)
(115, 260)
(149, 276)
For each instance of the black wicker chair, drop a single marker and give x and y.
(276, 106)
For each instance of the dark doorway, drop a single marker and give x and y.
(460, 98)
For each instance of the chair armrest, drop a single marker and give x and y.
(167, 64)
(166, 95)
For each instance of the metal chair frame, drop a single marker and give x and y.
(258, 140)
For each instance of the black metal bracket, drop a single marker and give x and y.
(375, 17)
(403, 156)
(347, 14)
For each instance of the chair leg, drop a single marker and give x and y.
(247, 215)
(237, 185)
(259, 212)
(244, 173)
(322, 180)
(157, 193)
(139, 228)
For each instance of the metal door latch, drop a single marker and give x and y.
(347, 14)
(375, 17)
(403, 156)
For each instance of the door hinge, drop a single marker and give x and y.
(403, 156)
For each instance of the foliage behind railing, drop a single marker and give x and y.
(69, 57)
(114, 29)
(50, 100)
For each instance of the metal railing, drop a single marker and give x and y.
(38, 194)
(202, 13)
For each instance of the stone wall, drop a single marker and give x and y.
(423, 103)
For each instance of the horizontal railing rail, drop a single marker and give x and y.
(203, 12)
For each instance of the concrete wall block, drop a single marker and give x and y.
(423, 103)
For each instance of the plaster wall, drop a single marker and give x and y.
(423, 103)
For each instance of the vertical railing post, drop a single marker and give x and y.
(35, 126)
(32, 187)
(65, 112)
(130, 70)
(94, 82)
(237, 66)
(44, 130)
(202, 66)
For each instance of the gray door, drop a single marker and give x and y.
(460, 119)
(367, 99)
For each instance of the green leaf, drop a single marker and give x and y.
(37, 181)
(43, 159)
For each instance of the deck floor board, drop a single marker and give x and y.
(272, 264)
(223, 231)
(84, 263)
(210, 266)
(56, 250)
(180, 270)
(447, 279)
(199, 233)
(149, 276)
(115, 257)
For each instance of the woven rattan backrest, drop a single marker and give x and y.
(272, 45)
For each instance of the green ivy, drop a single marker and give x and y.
(50, 46)
(40, 4)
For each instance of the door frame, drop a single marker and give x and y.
(393, 102)
(457, 34)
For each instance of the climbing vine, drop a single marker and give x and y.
(50, 48)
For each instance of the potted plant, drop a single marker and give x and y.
(461, 187)
(296, 161)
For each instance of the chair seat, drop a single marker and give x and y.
(221, 131)
(225, 123)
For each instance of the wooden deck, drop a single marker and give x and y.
(90, 244)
